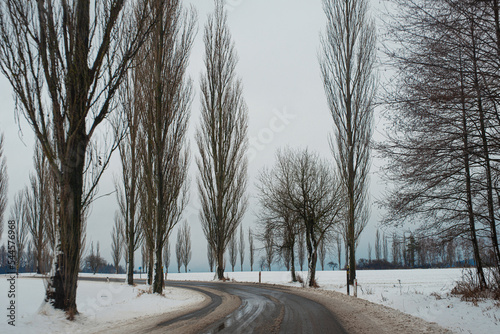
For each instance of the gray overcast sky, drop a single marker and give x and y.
(277, 42)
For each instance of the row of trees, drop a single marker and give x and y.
(442, 145)
(33, 213)
(80, 70)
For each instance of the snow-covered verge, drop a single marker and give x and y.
(101, 305)
(424, 293)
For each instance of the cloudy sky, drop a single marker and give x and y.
(277, 42)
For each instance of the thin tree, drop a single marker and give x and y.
(233, 251)
(242, 247)
(18, 213)
(369, 253)
(3, 184)
(378, 246)
(186, 244)
(347, 62)
(269, 246)
(117, 242)
(165, 120)
(221, 139)
(37, 208)
(65, 64)
(251, 248)
(338, 246)
(211, 257)
(166, 255)
(128, 189)
(385, 247)
(179, 249)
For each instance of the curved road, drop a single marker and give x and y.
(263, 309)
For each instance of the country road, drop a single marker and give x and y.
(268, 310)
(262, 308)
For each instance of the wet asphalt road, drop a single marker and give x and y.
(263, 309)
(266, 310)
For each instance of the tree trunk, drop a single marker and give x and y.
(486, 156)
(61, 291)
(150, 268)
(312, 255)
(294, 277)
(158, 272)
(470, 209)
(130, 265)
(39, 255)
(220, 264)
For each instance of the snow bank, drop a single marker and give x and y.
(101, 305)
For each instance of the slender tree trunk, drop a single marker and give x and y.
(39, 255)
(292, 256)
(470, 208)
(486, 156)
(150, 267)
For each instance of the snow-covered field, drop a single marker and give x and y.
(101, 305)
(424, 293)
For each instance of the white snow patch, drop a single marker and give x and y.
(101, 305)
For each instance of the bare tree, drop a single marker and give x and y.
(369, 253)
(168, 96)
(378, 246)
(117, 242)
(338, 247)
(284, 224)
(251, 248)
(448, 139)
(186, 244)
(307, 187)
(222, 139)
(347, 63)
(267, 238)
(94, 261)
(37, 208)
(18, 215)
(242, 247)
(3, 184)
(179, 249)
(128, 189)
(65, 64)
(233, 251)
(145, 258)
(385, 247)
(211, 257)
(166, 255)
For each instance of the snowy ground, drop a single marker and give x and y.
(101, 306)
(423, 293)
